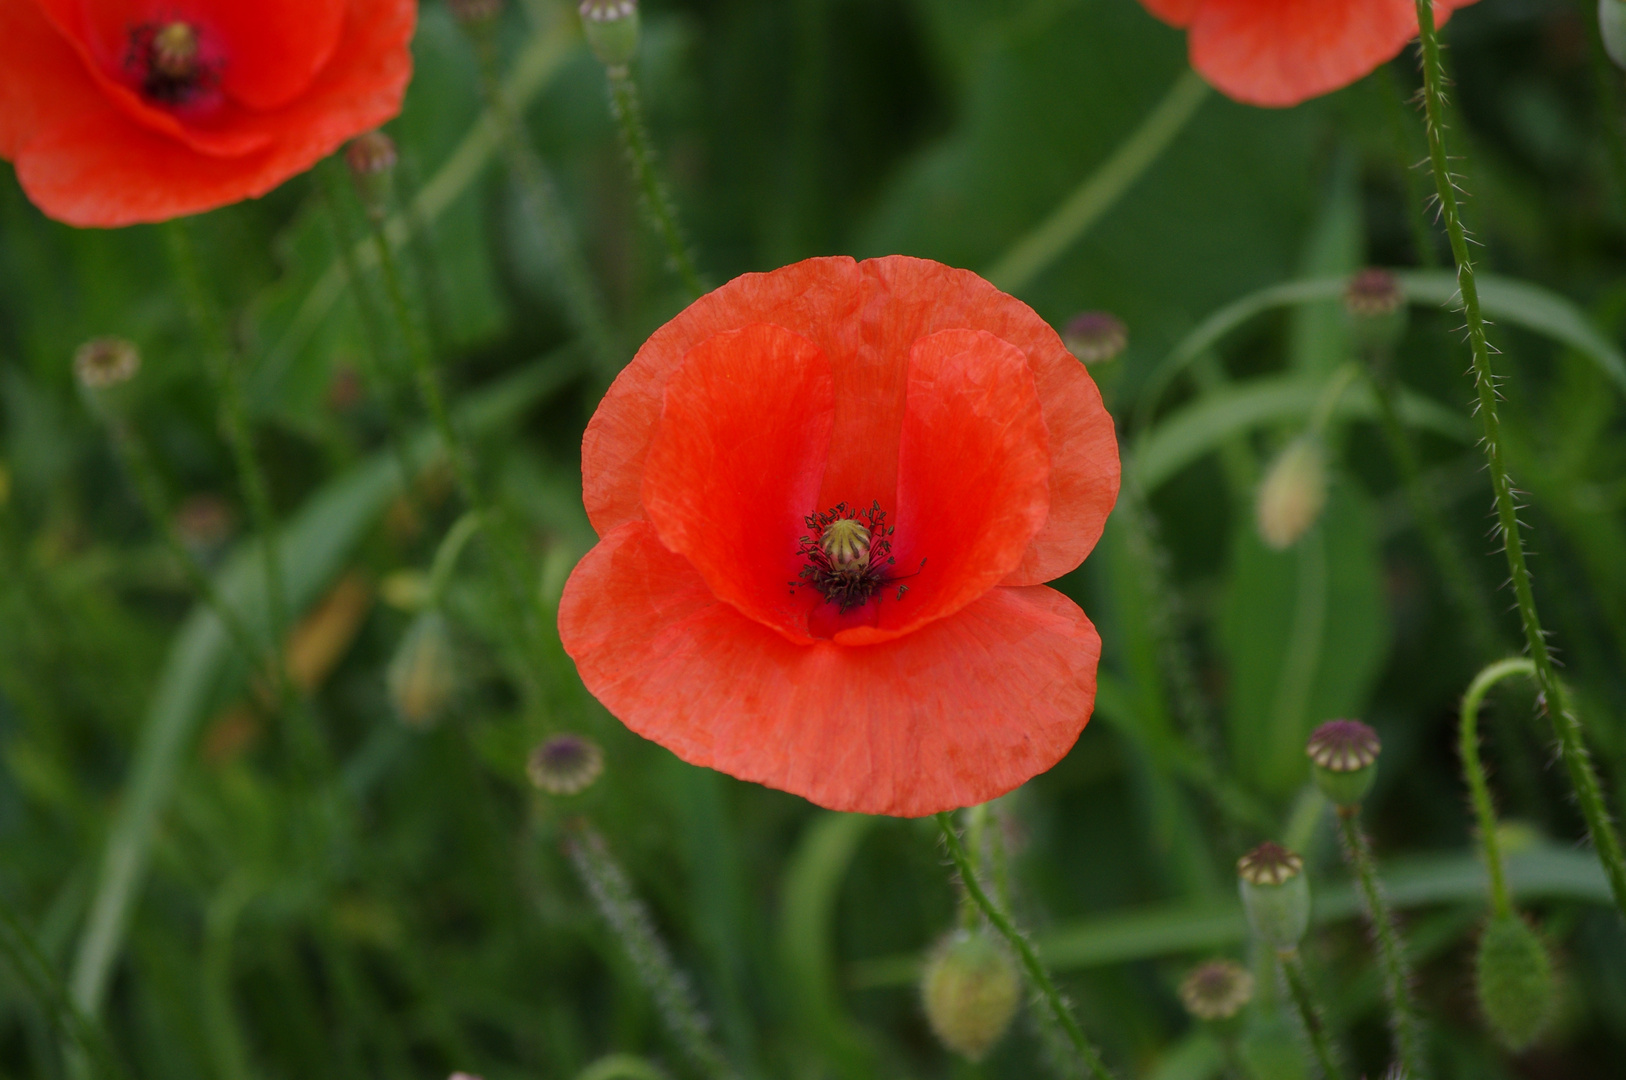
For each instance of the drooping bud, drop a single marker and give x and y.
(475, 12)
(1513, 974)
(1344, 754)
(371, 159)
(1292, 494)
(847, 542)
(971, 990)
(565, 764)
(611, 29)
(422, 676)
(1217, 990)
(1612, 28)
(1275, 895)
(1376, 308)
(106, 362)
(1095, 336)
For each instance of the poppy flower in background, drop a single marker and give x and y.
(827, 497)
(123, 111)
(1282, 52)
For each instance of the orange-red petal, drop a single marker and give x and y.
(959, 712)
(736, 466)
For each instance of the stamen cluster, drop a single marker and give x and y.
(165, 59)
(848, 554)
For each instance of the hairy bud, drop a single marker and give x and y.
(1344, 754)
(971, 990)
(422, 677)
(1292, 494)
(1275, 895)
(1513, 975)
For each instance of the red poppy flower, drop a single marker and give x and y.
(1282, 52)
(123, 111)
(827, 497)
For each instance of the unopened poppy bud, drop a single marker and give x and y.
(423, 674)
(371, 159)
(565, 764)
(105, 362)
(1217, 990)
(1275, 894)
(1292, 494)
(1513, 974)
(611, 29)
(475, 12)
(1095, 336)
(1376, 308)
(1612, 28)
(971, 990)
(1344, 754)
(846, 541)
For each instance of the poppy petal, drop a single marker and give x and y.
(973, 478)
(1173, 12)
(736, 466)
(957, 713)
(42, 80)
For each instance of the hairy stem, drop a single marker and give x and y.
(1315, 1028)
(1024, 950)
(1566, 724)
(1473, 770)
(1404, 1022)
(629, 117)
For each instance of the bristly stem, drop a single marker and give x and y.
(1019, 943)
(629, 117)
(1473, 770)
(1567, 725)
(1315, 1028)
(1404, 1021)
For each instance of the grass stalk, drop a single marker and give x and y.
(1566, 723)
(1473, 771)
(1037, 975)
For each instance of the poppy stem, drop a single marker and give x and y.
(1404, 1023)
(1555, 699)
(657, 197)
(1024, 949)
(1032, 254)
(1473, 771)
(1315, 1027)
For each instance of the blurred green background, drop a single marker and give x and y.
(406, 910)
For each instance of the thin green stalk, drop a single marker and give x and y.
(1566, 724)
(1394, 99)
(1404, 1022)
(629, 117)
(1019, 943)
(1473, 770)
(28, 961)
(1031, 255)
(1315, 1029)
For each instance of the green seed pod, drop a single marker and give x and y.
(565, 764)
(1376, 309)
(1217, 991)
(1275, 894)
(1612, 28)
(371, 159)
(611, 29)
(1344, 757)
(1292, 493)
(1513, 974)
(971, 989)
(422, 676)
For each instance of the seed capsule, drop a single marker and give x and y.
(105, 362)
(846, 542)
(1344, 754)
(1095, 336)
(1275, 894)
(1217, 990)
(611, 29)
(971, 989)
(565, 764)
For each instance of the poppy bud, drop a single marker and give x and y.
(1344, 754)
(1217, 990)
(971, 989)
(1292, 494)
(475, 12)
(1376, 308)
(846, 541)
(1514, 977)
(371, 159)
(1612, 28)
(565, 764)
(1275, 894)
(611, 28)
(105, 362)
(1095, 336)
(423, 674)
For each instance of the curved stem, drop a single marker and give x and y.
(1404, 1022)
(1567, 725)
(629, 117)
(1473, 770)
(1315, 1029)
(1024, 950)
(1031, 255)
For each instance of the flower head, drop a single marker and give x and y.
(826, 498)
(1217, 990)
(1282, 52)
(144, 110)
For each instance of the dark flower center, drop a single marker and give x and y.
(166, 61)
(849, 555)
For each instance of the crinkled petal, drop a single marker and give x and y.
(957, 713)
(736, 466)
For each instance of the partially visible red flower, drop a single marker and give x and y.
(827, 497)
(1282, 52)
(122, 111)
